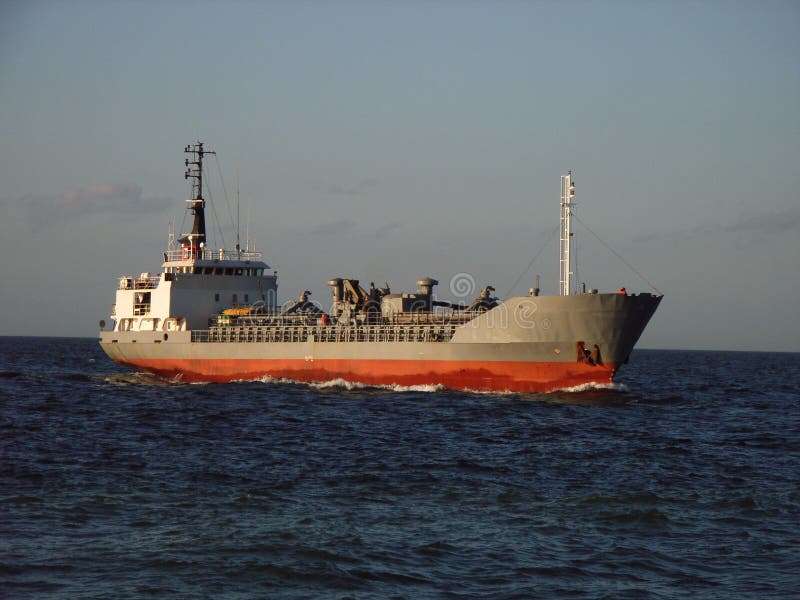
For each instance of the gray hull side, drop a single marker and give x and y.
(523, 329)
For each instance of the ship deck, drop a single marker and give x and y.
(330, 333)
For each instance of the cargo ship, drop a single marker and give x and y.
(212, 315)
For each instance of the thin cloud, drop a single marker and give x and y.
(334, 228)
(116, 198)
(770, 223)
(353, 190)
(765, 224)
(648, 237)
(388, 228)
(347, 226)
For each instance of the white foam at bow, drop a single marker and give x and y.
(347, 385)
(588, 387)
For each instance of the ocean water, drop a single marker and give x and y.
(682, 480)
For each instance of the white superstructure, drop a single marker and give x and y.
(187, 291)
(195, 282)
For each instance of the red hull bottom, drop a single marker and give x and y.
(477, 376)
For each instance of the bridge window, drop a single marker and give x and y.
(216, 297)
(218, 271)
(228, 270)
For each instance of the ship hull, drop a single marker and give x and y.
(524, 345)
(497, 376)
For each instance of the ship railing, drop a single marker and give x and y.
(144, 282)
(433, 318)
(384, 332)
(207, 254)
(270, 318)
(276, 319)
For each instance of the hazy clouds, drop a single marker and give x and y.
(121, 198)
(759, 225)
(349, 227)
(769, 223)
(353, 190)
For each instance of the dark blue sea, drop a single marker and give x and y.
(682, 480)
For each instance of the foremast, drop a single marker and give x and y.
(192, 244)
(565, 243)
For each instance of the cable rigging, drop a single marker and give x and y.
(618, 255)
(533, 260)
(213, 208)
(225, 192)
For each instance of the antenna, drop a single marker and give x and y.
(247, 232)
(238, 227)
(576, 271)
(565, 241)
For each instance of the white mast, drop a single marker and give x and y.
(565, 243)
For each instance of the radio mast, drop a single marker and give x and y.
(194, 170)
(565, 238)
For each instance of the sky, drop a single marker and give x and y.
(387, 141)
